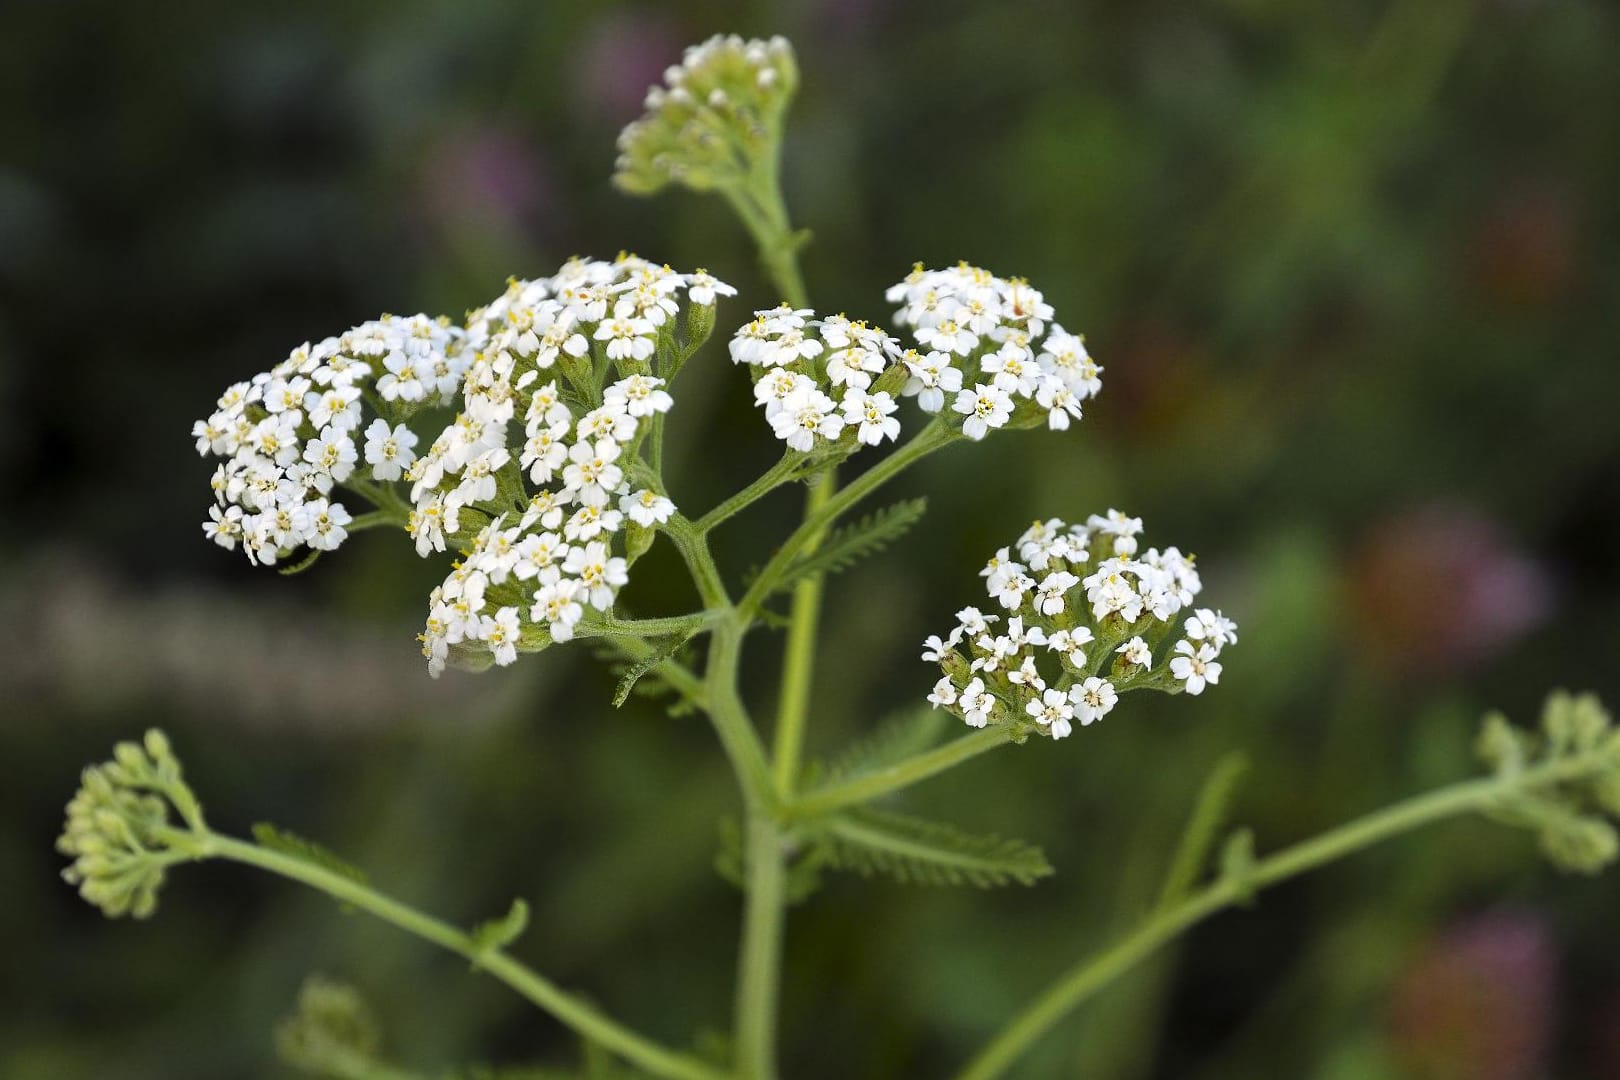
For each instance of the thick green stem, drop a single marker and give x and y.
(583, 1018)
(898, 776)
(925, 442)
(1091, 975)
(759, 962)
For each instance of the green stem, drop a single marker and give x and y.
(778, 474)
(799, 652)
(608, 626)
(1091, 975)
(925, 442)
(737, 736)
(759, 961)
(694, 549)
(583, 1018)
(901, 775)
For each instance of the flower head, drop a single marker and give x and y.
(716, 118)
(988, 345)
(1084, 626)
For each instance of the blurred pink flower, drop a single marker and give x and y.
(488, 178)
(623, 55)
(1479, 1003)
(1442, 587)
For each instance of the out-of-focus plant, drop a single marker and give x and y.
(546, 473)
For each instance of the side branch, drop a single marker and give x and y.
(1094, 973)
(570, 1010)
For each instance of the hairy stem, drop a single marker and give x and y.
(778, 474)
(1094, 973)
(759, 962)
(570, 1010)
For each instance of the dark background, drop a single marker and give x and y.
(1352, 269)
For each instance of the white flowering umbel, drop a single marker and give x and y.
(539, 479)
(987, 346)
(292, 434)
(816, 378)
(715, 121)
(1088, 617)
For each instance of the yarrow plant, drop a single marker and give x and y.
(523, 446)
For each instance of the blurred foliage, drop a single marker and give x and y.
(1351, 267)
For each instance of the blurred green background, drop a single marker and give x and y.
(1353, 271)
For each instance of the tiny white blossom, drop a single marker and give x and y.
(1093, 699)
(1195, 666)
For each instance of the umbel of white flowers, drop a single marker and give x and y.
(1088, 617)
(548, 521)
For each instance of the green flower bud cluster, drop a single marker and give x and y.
(715, 121)
(332, 1032)
(1570, 816)
(118, 827)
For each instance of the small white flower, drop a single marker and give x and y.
(1136, 651)
(985, 407)
(873, 415)
(647, 508)
(977, 704)
(500, 633)
(1213, 627)
(640, 395)
(1093, 699)
(1195, 666)
(702, 289)
(389, 451)
(944, 693)
(1053, 712)
(402, 381)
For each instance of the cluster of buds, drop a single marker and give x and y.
(291, 434)
(977, 348)
(119, 833)
(1088, 617)
(804, 361)
(1573, 818)
(581, 360)
(716, 119)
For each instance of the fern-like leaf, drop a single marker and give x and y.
(916, 851)
(633, 672)
(897, 738)
(848, 545)
(287, 843)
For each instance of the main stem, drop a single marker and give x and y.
(1093, 974)
(759, 965)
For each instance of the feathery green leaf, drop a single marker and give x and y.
(848, 545)
(288, 843)
(914, 850)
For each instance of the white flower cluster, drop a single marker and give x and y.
(804, 361)
(1075, 640)
(290, 434)
(540, 512)
(714, 118)
(977, 340)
